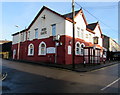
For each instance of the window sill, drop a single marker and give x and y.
(30, 55)
(79, 55)
(42, 55)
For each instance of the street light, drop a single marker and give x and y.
(18, 42)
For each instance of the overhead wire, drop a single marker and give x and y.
(95, 17)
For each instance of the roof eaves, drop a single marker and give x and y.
(90, 30)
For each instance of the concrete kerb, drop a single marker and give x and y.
(66, 67)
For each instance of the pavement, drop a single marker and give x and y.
(30, 78)
(78, 67)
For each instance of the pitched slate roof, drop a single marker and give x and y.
(44, 7)
(69, 15)
(92, 26)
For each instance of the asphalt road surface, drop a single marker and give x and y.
(27, 78)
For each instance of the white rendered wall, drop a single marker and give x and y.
(98, 34)
(15, 39)
(50, 18)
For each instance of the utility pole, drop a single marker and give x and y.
(73, 40)
(18, 47)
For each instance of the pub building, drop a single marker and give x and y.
(49, 39)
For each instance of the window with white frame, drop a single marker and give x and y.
(24, 36)
(82, 33)
(28, 35)
(54, 30)
(14, 52)
(82, 49)
(36, 33)
(77, 48)
(21, 37)
(90, 37)
(87, 36)
(42, 48)
(78, 32)
(31, 49)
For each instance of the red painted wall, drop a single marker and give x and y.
(41, 58)
(62, 51)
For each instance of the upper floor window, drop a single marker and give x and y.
(77, 48)
(24, 36)
(42, 49)
(78, 32)
(21, 37)
(36, 33)
(87, 36)
(28, 35)
(82, 33)
(31, 49)
(54, 30)
(90, 37)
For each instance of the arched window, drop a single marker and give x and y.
(82, 48)
(31, 49)
(42, 48)
(77, 48)
(14, 53)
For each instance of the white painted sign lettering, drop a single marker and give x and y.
(51, 50)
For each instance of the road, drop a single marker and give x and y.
(28, 78)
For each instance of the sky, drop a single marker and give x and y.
(22, 14)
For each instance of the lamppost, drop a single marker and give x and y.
(18, 51)
(95, 41)
(73, 39)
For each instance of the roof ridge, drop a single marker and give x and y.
(94, 23)
(71, 12)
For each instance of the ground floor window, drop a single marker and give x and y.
(14, 53)
(77, 48)
(31, 49)
(82, 48)
(42, 48)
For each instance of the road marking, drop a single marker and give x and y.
(110, 84)
(103, 68)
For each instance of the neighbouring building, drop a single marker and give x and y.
(49, 39)
(111, 45)
(5, 49)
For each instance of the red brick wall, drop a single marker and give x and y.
(62, 51)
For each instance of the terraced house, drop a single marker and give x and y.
(49, 39)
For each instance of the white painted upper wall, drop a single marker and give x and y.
(80, 23)
(40, 23)
(50, 19)
(113, 46)
(98, 34)
(63, 27)
(15, 39)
